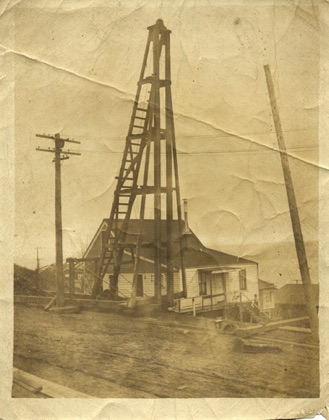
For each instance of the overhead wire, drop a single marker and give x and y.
(192, 136)
(252, 149)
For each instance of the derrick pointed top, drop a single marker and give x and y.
(159, 24)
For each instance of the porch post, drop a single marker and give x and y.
(225, 296)
(71, 278)
(211, 306)
(240, 308)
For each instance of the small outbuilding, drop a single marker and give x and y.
(290, 300)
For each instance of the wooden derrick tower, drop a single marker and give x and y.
(149, 170)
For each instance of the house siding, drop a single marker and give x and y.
(231, 280)
(126, 281)
(233, 284)
(124, 284)
(192, 282)
(178, 283)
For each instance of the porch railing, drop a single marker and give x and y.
(200, 303)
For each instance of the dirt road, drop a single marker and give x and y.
(112, 355)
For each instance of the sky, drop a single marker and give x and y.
(76, 68)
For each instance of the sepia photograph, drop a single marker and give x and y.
(166, 208)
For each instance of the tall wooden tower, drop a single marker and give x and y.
(149, 170)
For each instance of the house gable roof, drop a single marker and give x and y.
(196, 255)
(262, 285)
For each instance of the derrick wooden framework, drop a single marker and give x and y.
(150, 147)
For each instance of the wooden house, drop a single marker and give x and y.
(267, 298)
(214, 279)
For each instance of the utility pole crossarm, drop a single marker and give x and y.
(44, 136)
(45, 150)
(68, 152)
(64, 152)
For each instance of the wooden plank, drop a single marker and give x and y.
(260, 328)
(34, 389)
(290, 343)
(53, 300)
(253, 346)
(18, 391)
(49, 389)
(26, 382)
(66, 309)
(32, 300)
(296, 329)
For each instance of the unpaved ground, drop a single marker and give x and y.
(112, 355)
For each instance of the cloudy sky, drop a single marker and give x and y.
(76, 68)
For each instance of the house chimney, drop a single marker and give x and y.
(186, 227)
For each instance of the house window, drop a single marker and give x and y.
(202, 283)
(243, 279)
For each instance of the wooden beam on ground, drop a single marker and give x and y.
(286, 342)
(65, 309)
(32, 300)
(51, 303)
(82, 303)
(25, 383)
(254, 346)
(296, 329)
(260, 328)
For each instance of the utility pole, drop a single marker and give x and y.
(157, 161)
(60, 155)
(294, 215)
(37, 285)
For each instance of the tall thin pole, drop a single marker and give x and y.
(169, 175)
(60, 155)
(58, 221)
(294, 215)
(182, 237)
(132, 300)
(37, 285)
(157, 164)
(71, 277)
